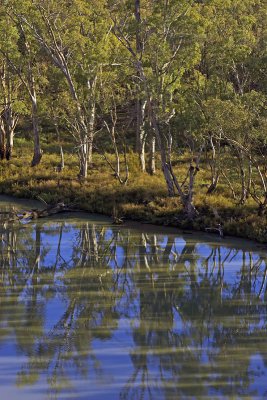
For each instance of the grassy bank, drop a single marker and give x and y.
(143, 199)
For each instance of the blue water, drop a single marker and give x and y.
(89, 310)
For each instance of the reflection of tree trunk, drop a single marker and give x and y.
(37, 246)
(168, 249)
(58, 255)
(263, 284)
(154, 249)
(33, 306)
(11, 237)
(93, 242)
(187, 254)
(156, 312)
(84, 245)
(244, 284)
(142, 252)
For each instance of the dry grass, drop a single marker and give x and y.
(144, 198)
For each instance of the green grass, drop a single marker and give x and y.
(144, 198)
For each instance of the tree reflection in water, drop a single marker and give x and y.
(196, 310)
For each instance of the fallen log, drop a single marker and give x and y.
(26, 215)
(117, 221)
(218, 229)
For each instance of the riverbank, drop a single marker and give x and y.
(143, 199)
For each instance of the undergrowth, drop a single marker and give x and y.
(144, 198)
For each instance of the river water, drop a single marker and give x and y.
(89, 310)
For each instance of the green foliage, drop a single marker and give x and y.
(204, 67)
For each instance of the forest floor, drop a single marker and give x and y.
(143, 199)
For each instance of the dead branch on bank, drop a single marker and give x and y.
(218, 229)
(13, 215)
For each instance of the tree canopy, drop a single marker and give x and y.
(168, 76)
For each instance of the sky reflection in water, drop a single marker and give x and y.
(94, 311)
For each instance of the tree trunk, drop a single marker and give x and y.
(141, 133)
(214, 166)
(2, 139)
(142, 157)
(37, 247)
(117, 156)
(262, 207)
(156, 129)
(83, 156)
(143, 136)
(187, 199)
(249, 182)
(244, 186)
(10, 144)
(3, 112)
(164, 164)
(90, 148)
(138, 123)
(11, 123)
(37, 152)
(62, 164)
(214, 183)
(7, 126)
(30, 86)
(152, 152)
(189, 208)
(140, 104)
(91, 84)
(170, 178)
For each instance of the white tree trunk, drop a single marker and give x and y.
(37, 152)
(141, 134)
(152, 153)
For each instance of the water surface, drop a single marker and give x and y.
(89, 310)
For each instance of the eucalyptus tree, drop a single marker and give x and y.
(141, 102)
(161, 39)
(228, 51)
(115, 117)
(75, 36)
(21, 55)
(9, 109)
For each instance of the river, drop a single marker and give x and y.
(90, 310)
